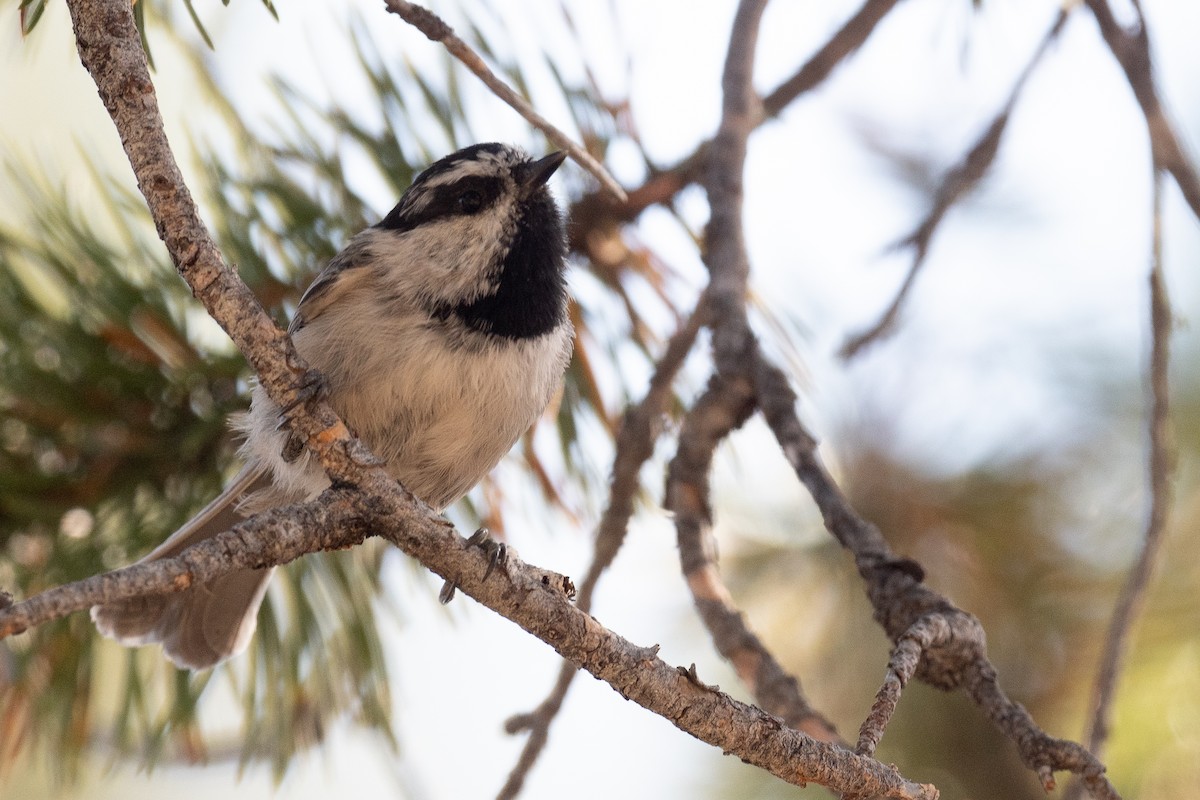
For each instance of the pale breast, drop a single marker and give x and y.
(440, 414)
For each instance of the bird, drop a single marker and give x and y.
(439, 335)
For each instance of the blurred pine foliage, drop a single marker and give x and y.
(115, 400)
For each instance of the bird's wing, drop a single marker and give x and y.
(343, 273)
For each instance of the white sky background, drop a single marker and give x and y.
(1033, 283)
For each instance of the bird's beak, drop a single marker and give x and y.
(534, 174)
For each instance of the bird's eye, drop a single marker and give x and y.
(470, 201)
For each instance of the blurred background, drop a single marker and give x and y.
(998, 437)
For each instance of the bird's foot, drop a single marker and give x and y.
(497, 553)
(310, 387)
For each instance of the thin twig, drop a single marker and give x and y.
(1161, 465)
(436, 29)
(840, 46)
(593, 210)
(1131, 48)
(723, 407)
(954, 186)
(278, 536)
(1039, 752)
(927, 633)
(639, 431)
(901, 602)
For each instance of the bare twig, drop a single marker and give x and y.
(1160, 467)
(840, 46)
(640, 429)
(729, 399)
(1131, 48)
(926, 634)
(436, 29)
(901, 602)
(278, 536)
(1041, 753)
(722, 408)
(728, 263)
(954, 186)
(594, 210)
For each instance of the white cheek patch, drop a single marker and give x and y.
(451, 260)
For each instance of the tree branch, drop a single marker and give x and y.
(595, 210)
(723, 408)
(111, 51)
(436, 30)
(640, 428)
(364, 500)
(1131, 48)
(635, 439)
(729, 400)
(275, 537)
(1161, 466)
(535, 599)
(960, 180)
(821, 65)
(956, 656)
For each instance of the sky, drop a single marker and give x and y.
(1034, 285)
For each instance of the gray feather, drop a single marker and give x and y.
(205, 623)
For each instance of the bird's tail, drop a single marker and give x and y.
(206, 623)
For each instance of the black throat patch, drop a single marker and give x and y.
(531, 295)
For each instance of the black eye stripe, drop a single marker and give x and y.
(446, 201)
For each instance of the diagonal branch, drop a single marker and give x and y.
(957, 656)
(960, 180)
(111, 51)
(596, 210)
(535, 599)
(436, 30)
(640, 428)
(1160, 467)
(821, 65)
(1131, 48)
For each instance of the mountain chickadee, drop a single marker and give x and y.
(441, 334)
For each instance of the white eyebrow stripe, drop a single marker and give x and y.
(461, 170)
